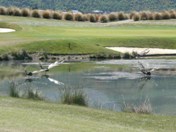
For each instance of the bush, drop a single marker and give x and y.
(92, 18)
(136, 17)
(68, 16)
(17, 12)
(10, 11)
(172, 15)
(78, 17)
(74, 97)
(36, 14)
(165, 15)
(85, 17)
(121, 16)
(25, 12)
(3, 10)
(112, 17)
(144, 16)
(46, 14)
(103, 19)
(157, 16)
(57, 15)
(132, 14)
(150, 16)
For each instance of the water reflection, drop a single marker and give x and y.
(105, 85)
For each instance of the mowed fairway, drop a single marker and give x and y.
(37, 116)
(55, 36)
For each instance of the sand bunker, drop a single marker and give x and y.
(6, 30)
(152, 51)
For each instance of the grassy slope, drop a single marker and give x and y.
(54, 36)
(27, 115)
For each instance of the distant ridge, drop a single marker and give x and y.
(90, 5)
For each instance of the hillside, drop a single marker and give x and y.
(89, 5)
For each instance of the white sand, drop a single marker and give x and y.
(6, 30)
(138, 50)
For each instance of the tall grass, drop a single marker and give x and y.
(142, 108)
(33, 94)
(74, 97)
(13, 90)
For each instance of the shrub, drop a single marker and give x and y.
(92, 18)
(46, 14)
(5, 57)
(103, 19)
(78, 17)
(17, 12)
(157, 16)
(25, 12)
(150, 16)
(10, 11)
(112, 17)
(165, 15)
(85, 17)
(132, 14)
(144, 16)
(57, 15)
(22, 55)
(36, 14)
(75, 97)
(136, 17)
(172, 15)
(121, 16)
(68, 16)
(3, 10)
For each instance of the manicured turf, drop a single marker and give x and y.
(55, 36)
(38, 116)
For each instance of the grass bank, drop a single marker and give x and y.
(36, 116)
(65, 37)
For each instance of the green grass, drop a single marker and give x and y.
(36, 116)
(85, 38)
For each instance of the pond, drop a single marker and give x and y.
(106, 84)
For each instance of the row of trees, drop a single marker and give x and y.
(104, 18)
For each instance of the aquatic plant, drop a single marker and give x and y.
(33, 94)
(74, 97)
(13, 90)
